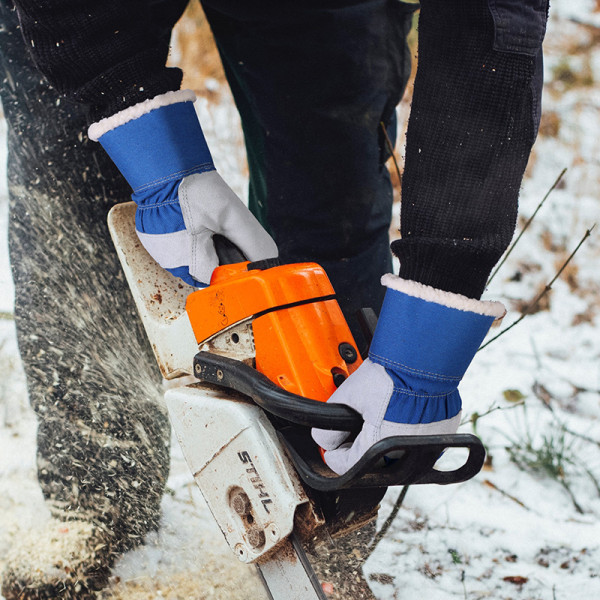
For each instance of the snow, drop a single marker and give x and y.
(511, 532)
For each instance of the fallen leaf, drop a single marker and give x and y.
(516, 579)
(513, 395)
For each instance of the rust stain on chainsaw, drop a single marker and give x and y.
(283, 552)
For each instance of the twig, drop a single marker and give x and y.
(582, 436)
(6, 316)
(583, 23)
(474, 417)
(536, 354)
(384, 529)
(593, 478)
(391, 149)
(546, 289)
(579, 389)
(505, 494)
(535, 212)
(572, 496)
(543, 395)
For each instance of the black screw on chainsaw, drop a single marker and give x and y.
(348, 352)
(338, 378)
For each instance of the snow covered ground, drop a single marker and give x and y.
(528, 526)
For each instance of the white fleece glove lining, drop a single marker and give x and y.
(429, 294)
(97, 130)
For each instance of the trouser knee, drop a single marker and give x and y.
(90, 373)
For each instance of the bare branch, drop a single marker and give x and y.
(391, 150)
(505, 494)
(546, 289)
(474, 417)
(535, 212)
(569, 491)
(384, 528)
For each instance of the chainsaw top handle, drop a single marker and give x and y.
(227, 252)
(238, 376)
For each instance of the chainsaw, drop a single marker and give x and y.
(257, 354)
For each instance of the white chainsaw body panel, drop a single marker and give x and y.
(235, 456)
(159, 297)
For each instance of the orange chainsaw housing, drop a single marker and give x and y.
(297, 323)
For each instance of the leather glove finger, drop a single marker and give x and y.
(367, 391)
(203, 256)
(345, 456)
(208, 203)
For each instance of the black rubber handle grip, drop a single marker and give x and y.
(417, 456)
(227, 252)
(242, 378)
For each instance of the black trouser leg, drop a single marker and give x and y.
(103, 440)
(313, 81)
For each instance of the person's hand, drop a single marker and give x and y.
(181, 200)
(424, 341)
(178, 233)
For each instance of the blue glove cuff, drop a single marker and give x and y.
(425, 340)
(415, 408)
(165, 144)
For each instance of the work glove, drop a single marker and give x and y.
(159, 147)
(423, 343)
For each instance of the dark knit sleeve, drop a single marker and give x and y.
(108, 55)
